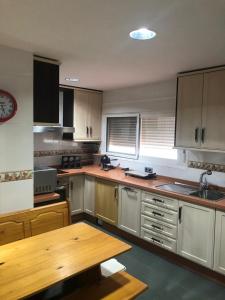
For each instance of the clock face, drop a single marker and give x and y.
(8, 106)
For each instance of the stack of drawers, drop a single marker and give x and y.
(159, 217)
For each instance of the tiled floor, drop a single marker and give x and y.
(166, 280)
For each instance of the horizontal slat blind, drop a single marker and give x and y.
(157, 136)
(121, 134)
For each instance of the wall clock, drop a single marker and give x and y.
(8, 106)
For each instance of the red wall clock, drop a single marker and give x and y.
(8, 106)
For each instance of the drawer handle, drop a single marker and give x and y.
(128, 189)
(158, 200)
(157, 241)
(157, 214)
(157, 227)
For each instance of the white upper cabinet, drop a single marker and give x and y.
(87, 115)
(129, 209)
(196, 233)
(189, 110)
(200, 122)
(219, 254)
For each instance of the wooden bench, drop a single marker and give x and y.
(22, 224)
(120, 286)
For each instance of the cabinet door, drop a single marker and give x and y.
(89, 195)
(219, 254)
(189, 109)
(129, 210)
(81, 114)
(106, 201)
(95, 115)
(76, 195)
(196, 233)
(213, 121)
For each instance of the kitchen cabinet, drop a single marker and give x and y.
(196, 233)
(129, 209)
(46, 92)
(76, 194)
(106, 201)
(87, 115)
(200, 121)
(159, 216)
(219, 253)
(89, 195)
(189, 109)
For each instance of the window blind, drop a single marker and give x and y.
(122, 135)
(157, 136)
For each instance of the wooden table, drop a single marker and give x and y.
(34, 264)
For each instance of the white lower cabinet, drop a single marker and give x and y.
(129, 209)
(76, 194)
(89, 195)
(196, 233)
(219, 253)
(159, 217)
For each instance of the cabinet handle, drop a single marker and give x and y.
(158, 200)
(90, 131)
(203, 135)
(156, 240)
(116, 193)
(180, 214)
(87, 131)
(196, 134)
(157, 214)
(128, 189)
(157, 227)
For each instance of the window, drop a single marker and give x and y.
(157, 136)
(122, 135)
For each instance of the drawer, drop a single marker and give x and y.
(159, 213)
(159, 226)
(160, 201)
(159, 240)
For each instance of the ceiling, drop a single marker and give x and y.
(91, 37)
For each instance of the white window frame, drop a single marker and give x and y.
(117, 154)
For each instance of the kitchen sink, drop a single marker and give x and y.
(212, 195)
(189, 190)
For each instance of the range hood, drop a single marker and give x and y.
(57, 128)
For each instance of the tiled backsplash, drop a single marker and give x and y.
(49, 148)
(206, 166)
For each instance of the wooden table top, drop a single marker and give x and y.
(33, 264)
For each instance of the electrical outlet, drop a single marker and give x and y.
(148, 170)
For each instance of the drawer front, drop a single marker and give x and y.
(160, 201)
(159, 240)
(159, 226)
(159, 213)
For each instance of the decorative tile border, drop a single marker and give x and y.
(206, 166)
(16, 175)
(63, 152)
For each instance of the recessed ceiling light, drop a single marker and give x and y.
(142, 34)
(71, 79)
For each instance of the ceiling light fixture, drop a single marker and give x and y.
(71, 79)
(142, 34)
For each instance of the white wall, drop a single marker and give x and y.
(157, 97)
(16, 137)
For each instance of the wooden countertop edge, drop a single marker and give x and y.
(220, 205)
(46, 197)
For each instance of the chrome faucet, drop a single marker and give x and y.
(203, 184)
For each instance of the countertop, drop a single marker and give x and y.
(149, 185)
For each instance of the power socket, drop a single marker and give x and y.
(148, 170)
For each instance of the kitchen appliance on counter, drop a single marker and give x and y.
(141, 174)
(44, 180)
(71, 162)
(106, 163)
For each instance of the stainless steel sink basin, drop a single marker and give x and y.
(178, 188)
(212, 195)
